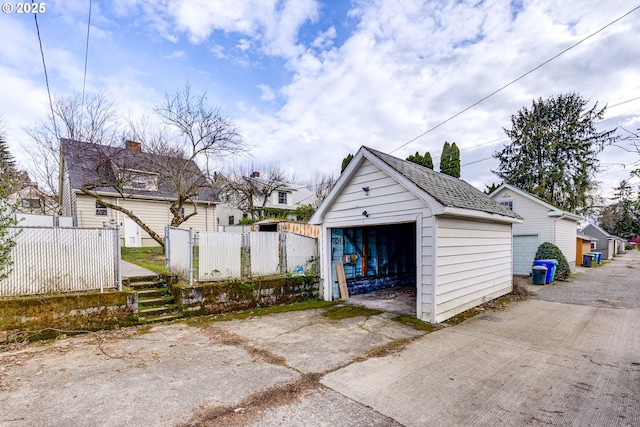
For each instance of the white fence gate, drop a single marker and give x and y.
(53, 260)
(264, 253)
(178, 247)
(220, 255)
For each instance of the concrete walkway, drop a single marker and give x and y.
(537, 362)
(131, 270)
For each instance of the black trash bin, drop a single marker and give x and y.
(587, 260)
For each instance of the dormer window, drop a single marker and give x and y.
(139, 180)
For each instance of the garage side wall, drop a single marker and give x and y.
(473, 264)
(566, 239)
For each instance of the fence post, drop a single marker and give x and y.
(191, 248)
(167, 247)
(245, 255)
(282, 251)
(116, 240)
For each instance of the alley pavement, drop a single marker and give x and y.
(570, 355)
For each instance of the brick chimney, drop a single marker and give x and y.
(255, 174)
(133, 146)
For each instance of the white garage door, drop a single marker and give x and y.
(524, 251)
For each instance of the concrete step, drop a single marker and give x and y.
(160, 318)
(147, 284)
(167, 308)
(151, 293)
(155, 302)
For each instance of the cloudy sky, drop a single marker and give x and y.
(308, 82)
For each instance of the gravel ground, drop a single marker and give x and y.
(608, 285)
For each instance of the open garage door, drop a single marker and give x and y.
(524, 251)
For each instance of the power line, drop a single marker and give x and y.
(46, 75)
(86, 56)
(515, 80)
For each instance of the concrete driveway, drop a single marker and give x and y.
(569, 356)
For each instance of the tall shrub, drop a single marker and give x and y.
(550, 251)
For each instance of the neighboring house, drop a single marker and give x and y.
(31, 200)
(607, 243)
(543, 222)
(148, 191)
(389, 222)
(287, 197)
(583, 246)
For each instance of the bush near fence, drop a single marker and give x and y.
(222, 297)
(50, 316)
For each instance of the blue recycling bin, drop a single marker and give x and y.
(597, 256)
(551, 265)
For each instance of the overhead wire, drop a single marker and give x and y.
(46, 75)
(86, 58)
(515, 80)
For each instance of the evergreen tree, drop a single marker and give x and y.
(454, 161)
(554, 150)
(425, 160)
(346, 161)
(622, 218)
(445, 158)
(7, 179)
(7, 164)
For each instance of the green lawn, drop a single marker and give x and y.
(151, 258)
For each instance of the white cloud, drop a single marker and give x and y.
(267, 93)
(176, 54)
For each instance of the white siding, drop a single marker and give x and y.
(387, 199)
(473, 264)
(536, 220)
(154, 213)
(559, 231)
(565, 239)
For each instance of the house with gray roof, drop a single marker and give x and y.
(606, 243)
(144, 183)
(542, 222)
(391, 223)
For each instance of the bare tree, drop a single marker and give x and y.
(321, 185)
(248, 187)
(91, 118)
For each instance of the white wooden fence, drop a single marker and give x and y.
(48, 260)
(222, 255)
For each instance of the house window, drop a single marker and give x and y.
(231, 220)
(31, 203)
(139, 180)
(101, 210)
(507, 204)
(593, 245)
(282, 197)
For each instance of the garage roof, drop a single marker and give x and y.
(448, 191)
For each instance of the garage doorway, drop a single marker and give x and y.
(379, 265)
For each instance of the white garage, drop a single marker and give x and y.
(542, 222)
(389, 222)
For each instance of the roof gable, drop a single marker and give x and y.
(551, 210)
(432, 187)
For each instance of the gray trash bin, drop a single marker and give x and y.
(538, 274)
(587, 260)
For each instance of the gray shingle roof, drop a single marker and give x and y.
(447, 190)
(94, 164)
